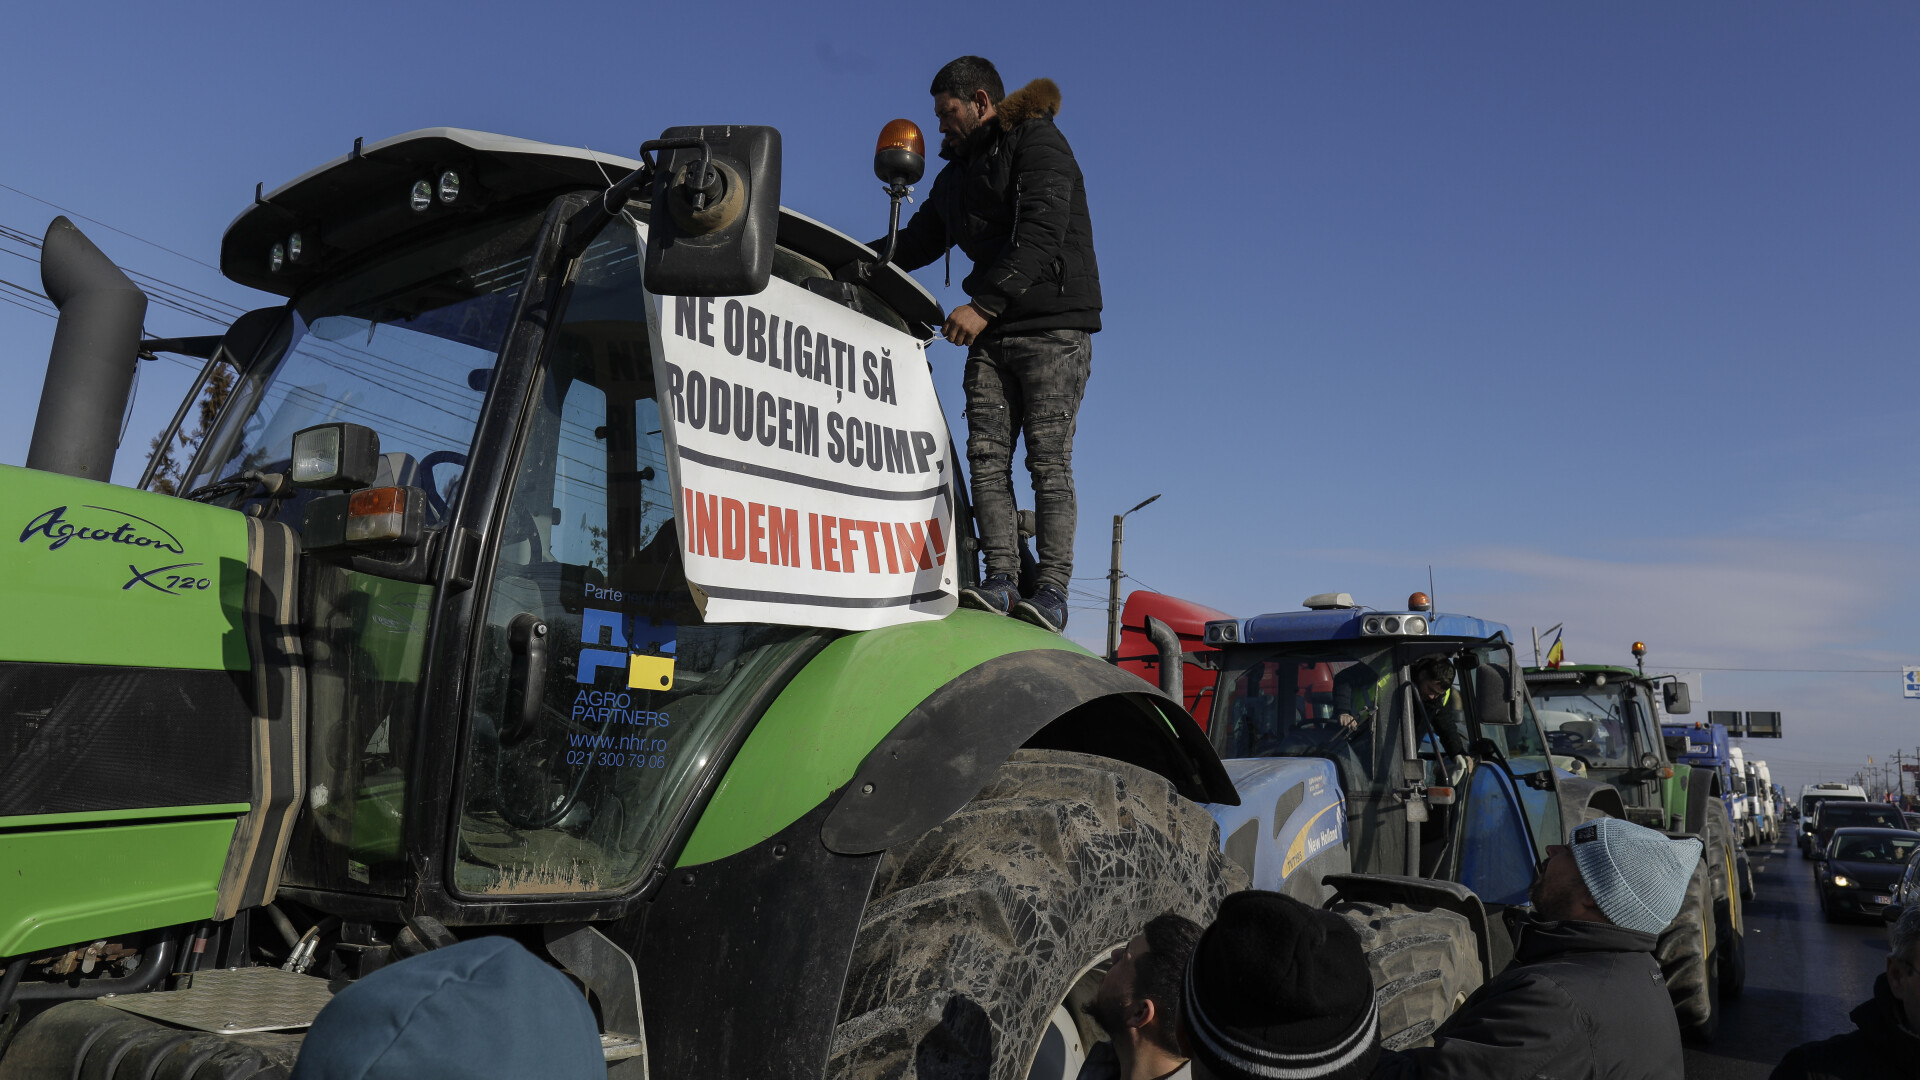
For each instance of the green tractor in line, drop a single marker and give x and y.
(349, 698)
(1603, 722)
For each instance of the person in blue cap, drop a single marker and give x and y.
(1584, 996)
(479, 1010)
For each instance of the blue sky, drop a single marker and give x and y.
(1607, 313)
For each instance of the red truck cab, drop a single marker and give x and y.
(1189, 620)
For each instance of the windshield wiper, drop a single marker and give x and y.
(272, 485)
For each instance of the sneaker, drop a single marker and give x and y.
(996, 594)
(1046, 608)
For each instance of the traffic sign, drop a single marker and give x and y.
(1912, 677)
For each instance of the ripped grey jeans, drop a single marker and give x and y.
(1025, 384)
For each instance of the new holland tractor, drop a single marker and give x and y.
(1417, 804)
(413, 657)
(1606, 721)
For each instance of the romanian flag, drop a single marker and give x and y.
(1556, 655)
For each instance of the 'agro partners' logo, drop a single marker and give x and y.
(105, 525)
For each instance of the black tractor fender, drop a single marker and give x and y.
(947, 749)
(1702, 784)
(1579, 793)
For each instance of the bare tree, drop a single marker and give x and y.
(174, 456)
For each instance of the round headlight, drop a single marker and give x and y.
(1390, 624)
(449, 186)
(1371, 626)
(277, 257)
(422, 195)
(1416, 625)
(294, 247)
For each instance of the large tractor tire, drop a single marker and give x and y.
(1424, 961)
(1686, 956)
(1729, 909)
(983, 938)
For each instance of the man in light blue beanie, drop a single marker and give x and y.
(1583, 996)
(1635, 876)
(485, 1009)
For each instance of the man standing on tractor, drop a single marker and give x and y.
(1012, 197)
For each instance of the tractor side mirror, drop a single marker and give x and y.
(1496, 702)
(1677, 697)
(716, 210)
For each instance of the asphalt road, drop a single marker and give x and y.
(1804, 974)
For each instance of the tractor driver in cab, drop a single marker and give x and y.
(1433, 687)
(1357, 689)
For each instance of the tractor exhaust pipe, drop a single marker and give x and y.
(1172, 664)
(95, 347)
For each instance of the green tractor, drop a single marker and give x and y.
(1604, 722)
(413, 657)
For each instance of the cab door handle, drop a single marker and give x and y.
(527, 638)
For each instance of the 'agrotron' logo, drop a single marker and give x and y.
(89, 524)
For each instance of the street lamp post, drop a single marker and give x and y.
(1113, 585)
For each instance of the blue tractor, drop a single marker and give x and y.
(1390, 766)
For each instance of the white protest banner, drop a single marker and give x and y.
(809, 461)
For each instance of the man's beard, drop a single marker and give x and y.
(1107, 1015)
(1546, 904)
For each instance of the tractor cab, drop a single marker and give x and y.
(1420, 719)
(449, 320)
(1603, 721)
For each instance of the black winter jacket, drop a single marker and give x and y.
(1882, 1045)
(1579, 1000)
(1013, 199)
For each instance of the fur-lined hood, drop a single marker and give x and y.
(1041, 97)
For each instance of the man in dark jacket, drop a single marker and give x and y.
(1583, 997)
(1012, 198)
(1885, 1041)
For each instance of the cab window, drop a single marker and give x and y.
(601, 694)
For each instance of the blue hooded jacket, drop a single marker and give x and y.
(479, 1010)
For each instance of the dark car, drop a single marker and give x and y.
(1861, 869)
(1832, 815)
(1907, 893)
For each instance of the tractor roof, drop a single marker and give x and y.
(1340, 623)
(1571, 670)
(360, 201)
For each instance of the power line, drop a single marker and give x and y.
(1795, 670)
(112, 228)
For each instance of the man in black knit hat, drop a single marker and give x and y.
(1277, 989)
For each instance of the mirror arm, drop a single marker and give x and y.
(589, 220)
(1513, 681)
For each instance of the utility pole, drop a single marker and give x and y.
(1900, 763)
(1113, 585)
